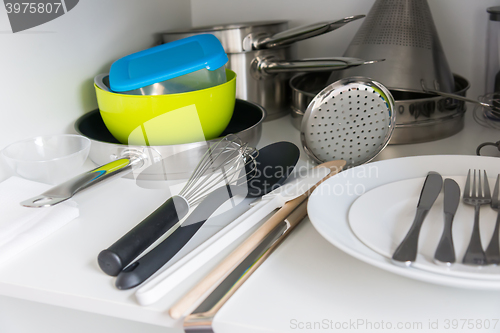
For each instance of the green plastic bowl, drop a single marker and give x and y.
(167, 119)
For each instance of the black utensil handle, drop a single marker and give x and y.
(133, 243)
(147, 265)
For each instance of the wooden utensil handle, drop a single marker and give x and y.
(205, 318)
(217, 275)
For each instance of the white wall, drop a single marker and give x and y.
(46, 73)
(46, 83)
(461, 25)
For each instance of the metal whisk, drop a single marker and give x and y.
(230, 161)
(488, 117)
(489, 102)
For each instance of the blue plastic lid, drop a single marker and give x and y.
(166, 61)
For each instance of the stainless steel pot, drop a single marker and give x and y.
(261, 54)
(145, 163)
(420, 117)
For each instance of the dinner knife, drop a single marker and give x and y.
(445, 252)
(406, 253)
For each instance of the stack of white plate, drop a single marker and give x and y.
(366, 212)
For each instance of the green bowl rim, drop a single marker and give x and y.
(228, 73)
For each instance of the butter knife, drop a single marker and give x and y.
(406, 253)
(445, 252)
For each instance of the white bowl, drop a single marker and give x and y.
(48, 159)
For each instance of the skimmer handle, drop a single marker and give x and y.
(68, 189)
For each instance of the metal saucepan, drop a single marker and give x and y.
(261, 54)
(420, 117)
(172, 162)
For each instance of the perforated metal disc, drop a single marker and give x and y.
(351, 119)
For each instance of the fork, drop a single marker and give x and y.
(475, 254)
(493, 251)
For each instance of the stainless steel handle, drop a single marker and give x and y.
(493, 250)
(263, 67)
(455, 96)
(474, 255)
(406, 253)
(296, 34)
(445, 252)
(68, 189)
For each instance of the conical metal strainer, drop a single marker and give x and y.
(351, 120)
(403, 33)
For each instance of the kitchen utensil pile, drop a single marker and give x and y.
(220, 278)
(281, 155)
(226, 163)
(229, 168)
(171, 111)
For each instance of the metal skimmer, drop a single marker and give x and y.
(351, 119)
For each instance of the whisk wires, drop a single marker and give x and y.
(230, 161)
(488, 117)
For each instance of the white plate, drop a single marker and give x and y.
(329, 206)
(380, 218)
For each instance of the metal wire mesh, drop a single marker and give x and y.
(486, 116)
(228, 162)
